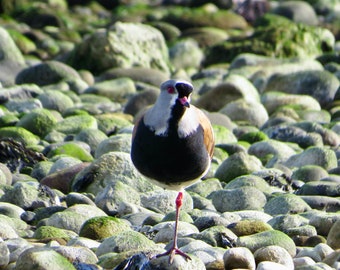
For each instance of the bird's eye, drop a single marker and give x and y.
(171, 90)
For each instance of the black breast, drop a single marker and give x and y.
(169, 159)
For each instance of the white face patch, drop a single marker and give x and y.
(158, 116)
(188, 123)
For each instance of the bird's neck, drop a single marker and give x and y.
(177, 112)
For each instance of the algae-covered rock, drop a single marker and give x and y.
(278, 37)
(122, 45)
(98, 228)
(236, 165)
(19, 134)
(125, 241)
(71, 149)
(49, 232)
(267, 238)
(286, 203)
(39, 122)
(42, 258)
(75, 124)
(249, 227)
(243, 198)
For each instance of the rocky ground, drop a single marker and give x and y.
(75, 74)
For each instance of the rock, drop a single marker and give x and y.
(12, 60)
(236, 165)
(117, 143)
(131, 44)
(141, 100)
(232, 88)
(46, 73)
(11, 210)
(119, 89)
(4, 254)
(125, 241)
(324, 203)
(110, 198)
(323, 188)
(321, 85)
(267, 238)
(49, 232)
(293, 134)
(61, 180)
(268, 38)
(333, 236)
(252, 113)
(249, 181)
(70, 149)
(75, 124)
(313, 156)
(206, 222)
(150, 76)
(179, 263)
(111, 123)
(186, 54)
(286, 203)
(309, 173)
(164, 231)
(41, 257)
(107, 169)
(99, 228)
(19, 134)
(74, 198)
(271, 152)
(64, 162)
(323, 221)
(204, 188)
(20, 92)
(93, 137)
(271, 265)
(239, 257)
(284, 222)
(28, 196)
(275, 254)
(7, 231)
(55, 100)
(74, 217)
(272, 101)
(297, 11)
(164, 201)
(244, 198)
(212, 236)
(39, 122)
(5, 175)
(81, 255)
(248, 227)
(23, 106)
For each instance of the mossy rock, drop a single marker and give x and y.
(75, 124)
(19, 134)
(39, 122)
(125, 241)
(110, 123)
(183, 216)
(252, 137)
(49, 232)
(98, 228)
(71, 149)
(276, 37)
(249, 227)
(267, 238)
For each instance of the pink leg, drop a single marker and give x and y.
(174, 249)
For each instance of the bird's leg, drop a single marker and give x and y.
(174, 249)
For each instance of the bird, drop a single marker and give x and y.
(172, 145)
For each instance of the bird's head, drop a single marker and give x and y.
(176, 92)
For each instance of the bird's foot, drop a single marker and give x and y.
(172, 252)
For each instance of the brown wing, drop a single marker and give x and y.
(209, 138)
(137, 120)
